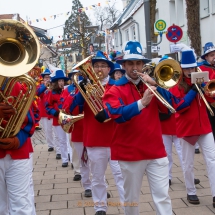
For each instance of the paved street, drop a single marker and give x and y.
(57, 194)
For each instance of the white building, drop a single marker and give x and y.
(131, 23)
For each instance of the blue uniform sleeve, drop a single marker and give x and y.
(78, 100)
(41, 89)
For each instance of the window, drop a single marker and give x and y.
(133, 31)
(213, 6)
(116, 38)
(204, 8)
(127, 35)
(180, 13)
(172, 11)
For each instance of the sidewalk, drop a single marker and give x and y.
(57, 194)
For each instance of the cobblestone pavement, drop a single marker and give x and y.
(57, 194)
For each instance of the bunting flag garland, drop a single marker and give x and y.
(80, 10)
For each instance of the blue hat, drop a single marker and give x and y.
(59, 74)
(209, 47)
(46, 72)
(188, 59)
(72, 73)
(117, 67)
(101, 57)
(133, 51)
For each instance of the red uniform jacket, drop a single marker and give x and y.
(95, 134)
(77, 132)
(191, 116)
(53, 105)
(42, 92)
(168, 126)
(25, 132)
(137, 134)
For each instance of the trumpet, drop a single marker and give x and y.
(167, 74)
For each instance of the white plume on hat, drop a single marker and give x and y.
(53, 70)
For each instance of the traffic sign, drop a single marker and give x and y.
(160, 25)
(174, 33)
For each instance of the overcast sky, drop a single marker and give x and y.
(36, 9)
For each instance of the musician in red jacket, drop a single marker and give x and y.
(47, 120)
(209, 65)
(97, 138)
(192, 125)
(53, 106)
(137, 139)
(15, 164)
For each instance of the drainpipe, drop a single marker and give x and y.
(138, 27)
(147, 28)
(120, 37)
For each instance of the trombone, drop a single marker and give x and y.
(167, 74)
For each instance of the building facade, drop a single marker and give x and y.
(131, 24)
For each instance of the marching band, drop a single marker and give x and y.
(121, 123)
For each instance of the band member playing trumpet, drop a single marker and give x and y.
(192, 125)
(209, 65)
(52, 106)
(97, 138)
(137, 140)
(46, 119)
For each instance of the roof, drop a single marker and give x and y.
(131, 8)
(133, 11)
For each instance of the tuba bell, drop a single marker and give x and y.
(19, 52)
(92, 91)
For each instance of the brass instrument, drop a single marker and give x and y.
(167, 74)
(210, 86)
(19, 52)
(93, 87)
(67, 121)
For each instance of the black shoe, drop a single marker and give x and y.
(65, 164)
(108, 195)
(72, 166)
(58, 156)
(170, 183)
(193, 199)
(197, 151)
(196, 181)
(100, 213)
(214, 201)
(88, 193)
(77, 178)
(38, 128)
(50, 149)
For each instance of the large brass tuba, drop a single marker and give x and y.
(93, 89)
(19, 52)
(167, 74)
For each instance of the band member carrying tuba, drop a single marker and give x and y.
(17, 57)
(97, 137)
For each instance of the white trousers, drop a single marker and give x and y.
(168, 141)
(75, 159)
(61, 138)
(84, 170)
(31, 186)
(14, 186)
(206, 143)
(157, 174)
(48, 130)
(99, 158)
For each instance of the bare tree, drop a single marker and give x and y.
(105, 17)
